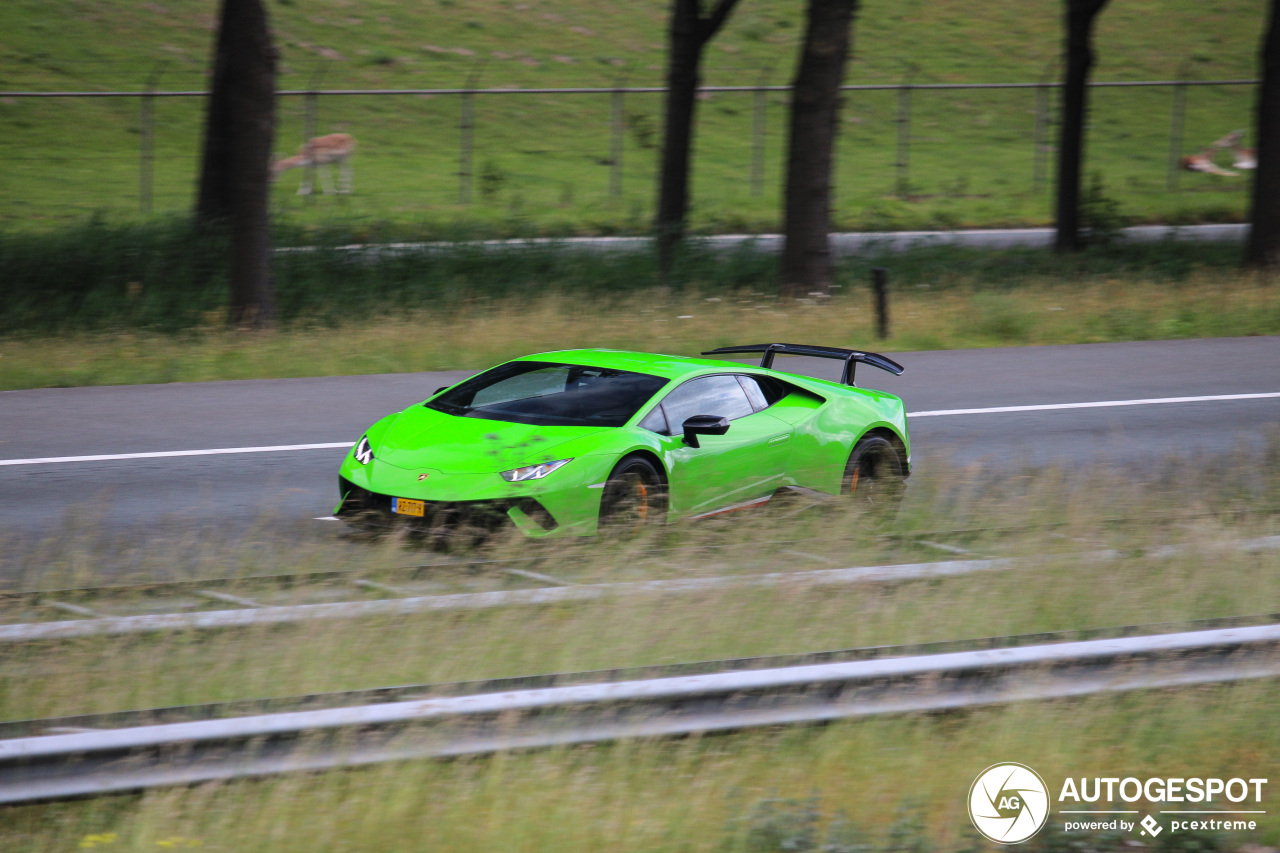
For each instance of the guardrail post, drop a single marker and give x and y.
(147, 139)
(758, 105)
(880, 292)
(904, 139)
(1176, 118)
(617, 140)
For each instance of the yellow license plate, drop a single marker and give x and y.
(407, 506)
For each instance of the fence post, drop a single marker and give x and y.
(466, 134)
(1041, 141)
(880, 292)
(1176, 118)
(758, 105)
(904, 138)
(146, 139)
(616, 142)
(310, 108)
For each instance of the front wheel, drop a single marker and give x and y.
(875, 476)
(635, 496)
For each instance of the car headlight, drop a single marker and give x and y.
(364, 453)
(533, 472)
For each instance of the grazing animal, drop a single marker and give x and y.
(334, 150)
(1203, 162)
(1241, 157)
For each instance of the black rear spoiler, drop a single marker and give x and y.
(850, 357)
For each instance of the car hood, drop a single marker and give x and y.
(426, 438)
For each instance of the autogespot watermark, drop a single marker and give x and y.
(1009, 803)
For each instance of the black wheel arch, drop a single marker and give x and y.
(894, 439)
(650, 457)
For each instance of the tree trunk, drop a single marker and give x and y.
(1263, 246)
(815, 115)
(690, 32)
(235, 175)
(1080, 15)
(683, 58)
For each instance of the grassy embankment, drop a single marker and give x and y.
(108, 305)
(542, 162)
(705, 793)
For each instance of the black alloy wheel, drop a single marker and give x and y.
(635, 496)
(875, 476)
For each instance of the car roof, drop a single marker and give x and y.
(655, 364)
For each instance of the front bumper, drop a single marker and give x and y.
(365, 508)
(565, 503)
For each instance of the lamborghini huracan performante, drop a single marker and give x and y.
(569, 443)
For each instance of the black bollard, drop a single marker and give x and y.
(880, 288)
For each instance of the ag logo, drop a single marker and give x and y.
(1008, 803)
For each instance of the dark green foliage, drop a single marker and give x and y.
(1100, 213)
(169, 276)
(1192, 842)
(1054, 839)
(775, 825)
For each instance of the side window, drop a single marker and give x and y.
(656, 421)
(707, 395)
(763, 391)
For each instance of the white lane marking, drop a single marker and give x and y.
(1103, 404)
(164, 454)
(334, 445)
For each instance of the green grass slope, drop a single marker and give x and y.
(542, 162)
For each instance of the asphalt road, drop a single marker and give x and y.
(241, 487)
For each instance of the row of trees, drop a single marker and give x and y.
(234, 179)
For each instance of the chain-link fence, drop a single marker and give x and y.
(592, 151)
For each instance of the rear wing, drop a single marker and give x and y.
(851, 357)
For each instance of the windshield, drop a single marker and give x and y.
(543, 392)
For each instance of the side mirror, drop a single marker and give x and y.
(704, 425)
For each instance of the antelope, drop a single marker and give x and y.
(333, 150)
(1203, 162)
(1241, 157)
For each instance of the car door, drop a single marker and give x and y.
(748, 461)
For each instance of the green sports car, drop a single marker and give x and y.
(567, 443)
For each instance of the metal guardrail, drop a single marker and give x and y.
(81, 764)
(843, 243)
(218, 619)
(576, 593)
(406, 692)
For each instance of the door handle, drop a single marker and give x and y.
(779, 439)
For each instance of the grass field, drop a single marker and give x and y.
(1080, 508)
(885, 784)
(542, 162)
(898, 781)
(453, 314)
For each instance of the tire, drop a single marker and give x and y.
(875, 477)
(635, 497)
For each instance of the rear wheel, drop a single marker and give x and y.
(635, 496)
(875, 476)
